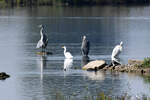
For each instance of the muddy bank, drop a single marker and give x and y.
(132, 66)
(127, 68)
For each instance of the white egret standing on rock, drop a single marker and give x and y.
(116, 51)
(67, 54)
(85, 46)
(42, 43)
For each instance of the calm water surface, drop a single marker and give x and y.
(42, 77)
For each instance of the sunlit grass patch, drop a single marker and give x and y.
(146, 63)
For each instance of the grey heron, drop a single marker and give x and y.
(84, 60)
(67, 54)
(115, 53)
(85, 46)
(42, 43)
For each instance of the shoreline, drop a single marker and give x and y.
(133, 66)
(127, 69)
(72, 3)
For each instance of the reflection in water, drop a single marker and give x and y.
(68, 64)
(42, 64)
(84, 60)
(146, 78)
(95, 75)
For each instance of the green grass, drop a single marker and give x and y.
(99, 96)
(146, 63)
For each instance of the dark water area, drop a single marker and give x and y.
(42, 77)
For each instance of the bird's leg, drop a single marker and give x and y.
(45, 50)
(42, 50)
(113, 63)
(116, 62)
(64, 69)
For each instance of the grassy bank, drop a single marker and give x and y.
(99, 96)
(71, 2)
(146, 63)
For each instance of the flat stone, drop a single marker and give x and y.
(94, 65)
(135, 62)
(44, 53)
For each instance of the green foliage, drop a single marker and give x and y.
(146, 63)
(71, 2)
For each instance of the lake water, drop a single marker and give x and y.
(35, 77)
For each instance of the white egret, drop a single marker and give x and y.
(42, 43)
(67, 54)
(68, 64)
(85, 46)
(115, 53)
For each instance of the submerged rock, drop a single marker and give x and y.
(3, 76)
(94, 65)
(44, 53)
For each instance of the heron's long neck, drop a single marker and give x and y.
(41, 32)
(64, 50)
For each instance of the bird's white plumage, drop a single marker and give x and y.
(116, 51)
(68, 55)
(68, 63)
(39, 44)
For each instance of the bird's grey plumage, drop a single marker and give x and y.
(45, 41)
(42, 43)
(85, 46)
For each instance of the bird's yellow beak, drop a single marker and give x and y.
(62, 47)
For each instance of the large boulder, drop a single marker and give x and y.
(94, 65)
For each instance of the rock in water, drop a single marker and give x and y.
(3, 76)
(44, 53)
(135, 62)
(94, 65)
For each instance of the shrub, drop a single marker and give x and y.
(146, 62)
